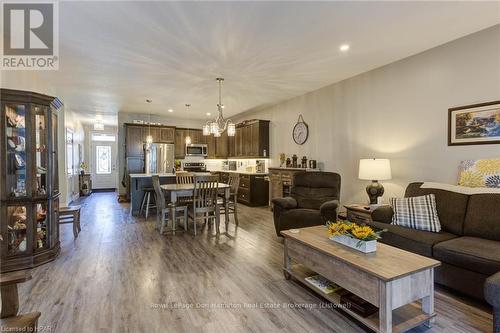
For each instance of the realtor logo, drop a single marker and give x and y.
(30, 36)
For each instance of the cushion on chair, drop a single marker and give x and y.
(417, 241)
(483, 216)
(312, 189)
(475, 254)
(451, 206)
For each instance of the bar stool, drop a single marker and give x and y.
(146, 200)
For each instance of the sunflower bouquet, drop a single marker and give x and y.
(362, 233)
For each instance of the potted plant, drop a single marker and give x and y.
(83, 168)
(359, 237)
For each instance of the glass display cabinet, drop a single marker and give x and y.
(29, 192)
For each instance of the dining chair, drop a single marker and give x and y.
(205, 205)
(234, 182)
(184, 178)
(163, 210)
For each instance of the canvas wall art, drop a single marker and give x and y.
(474, 124)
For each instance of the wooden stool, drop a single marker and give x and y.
(10, 321)
(71, 215)
(146, 200)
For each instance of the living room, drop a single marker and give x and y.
(349, 151)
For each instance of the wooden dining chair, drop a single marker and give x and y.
(163, 209)
(184, 178)
(234, 182)
(205, 205)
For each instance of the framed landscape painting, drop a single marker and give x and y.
(474, 124)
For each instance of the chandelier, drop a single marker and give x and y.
(219, 125)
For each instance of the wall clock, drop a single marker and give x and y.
(300, 131)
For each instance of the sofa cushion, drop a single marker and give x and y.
(300, 218)
(417, 241)
(451, 206)
(483, 216)
(472, 253)
(312, 189)
(416, 212)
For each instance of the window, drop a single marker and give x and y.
(103, 159)
(69, 152)
(103, 137)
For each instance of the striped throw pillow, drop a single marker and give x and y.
(416, 212)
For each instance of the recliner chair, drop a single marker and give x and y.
(313, 200)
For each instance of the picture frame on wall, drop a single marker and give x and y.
(476, 124)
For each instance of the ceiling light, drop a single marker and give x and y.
(344, 47)
(170, 110)
(219, 125)
(208, 114)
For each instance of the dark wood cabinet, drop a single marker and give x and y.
(221, 146)
(253, 189)
(134, 141)
(29, 190)
(251, 140)
(212, 150)
(167, 135)
(180, 140)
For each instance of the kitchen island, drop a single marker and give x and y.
(140, 181)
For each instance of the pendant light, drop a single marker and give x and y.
(188, 138)
(149, 137)
(219, 125)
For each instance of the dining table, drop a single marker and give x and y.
(175, 191)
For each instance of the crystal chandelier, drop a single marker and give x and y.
(219, 125)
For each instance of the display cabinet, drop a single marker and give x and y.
(29, 191)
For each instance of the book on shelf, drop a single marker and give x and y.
(323, 284)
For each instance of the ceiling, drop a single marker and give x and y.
(115, 55)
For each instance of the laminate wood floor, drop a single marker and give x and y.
(120, 275)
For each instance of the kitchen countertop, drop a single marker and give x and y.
(243, 172)
(294, 169)
(148, 175)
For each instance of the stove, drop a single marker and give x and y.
(195, 167)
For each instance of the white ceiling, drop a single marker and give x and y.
(114, 55)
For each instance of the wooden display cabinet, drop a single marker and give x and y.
(29, 190)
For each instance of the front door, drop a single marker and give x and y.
(104, 157)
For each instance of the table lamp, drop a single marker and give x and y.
(374, 169)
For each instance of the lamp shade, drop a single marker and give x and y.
(374, 169)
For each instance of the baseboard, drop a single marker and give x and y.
(104, 190)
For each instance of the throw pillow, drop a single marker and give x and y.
(416, 212)
(480, 173)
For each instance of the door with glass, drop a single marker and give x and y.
(104, 159)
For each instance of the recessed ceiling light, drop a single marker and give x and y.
(208, 114)
(344, 47)
(170, 110)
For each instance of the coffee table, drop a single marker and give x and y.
(398, 282)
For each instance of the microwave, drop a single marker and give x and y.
(196, 150)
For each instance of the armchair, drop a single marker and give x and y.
(313, 200)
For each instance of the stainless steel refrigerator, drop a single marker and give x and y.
(159, 158)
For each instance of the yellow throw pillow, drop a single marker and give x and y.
(480, 173)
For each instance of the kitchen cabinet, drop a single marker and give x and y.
(221, 146)
(180, 140)
(253, 189)
(134, 141)
(167, 135)
(251, 140)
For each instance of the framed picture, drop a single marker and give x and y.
(476, 124)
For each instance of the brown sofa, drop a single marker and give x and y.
(313, 200)
(468, 244)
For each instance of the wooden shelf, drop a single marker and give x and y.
(404, 318)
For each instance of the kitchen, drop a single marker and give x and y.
(153, 148)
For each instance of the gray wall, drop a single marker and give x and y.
(398, 111)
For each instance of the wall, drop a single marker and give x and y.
(398, 111)
(124, 117)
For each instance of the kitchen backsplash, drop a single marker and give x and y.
(241, 164)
